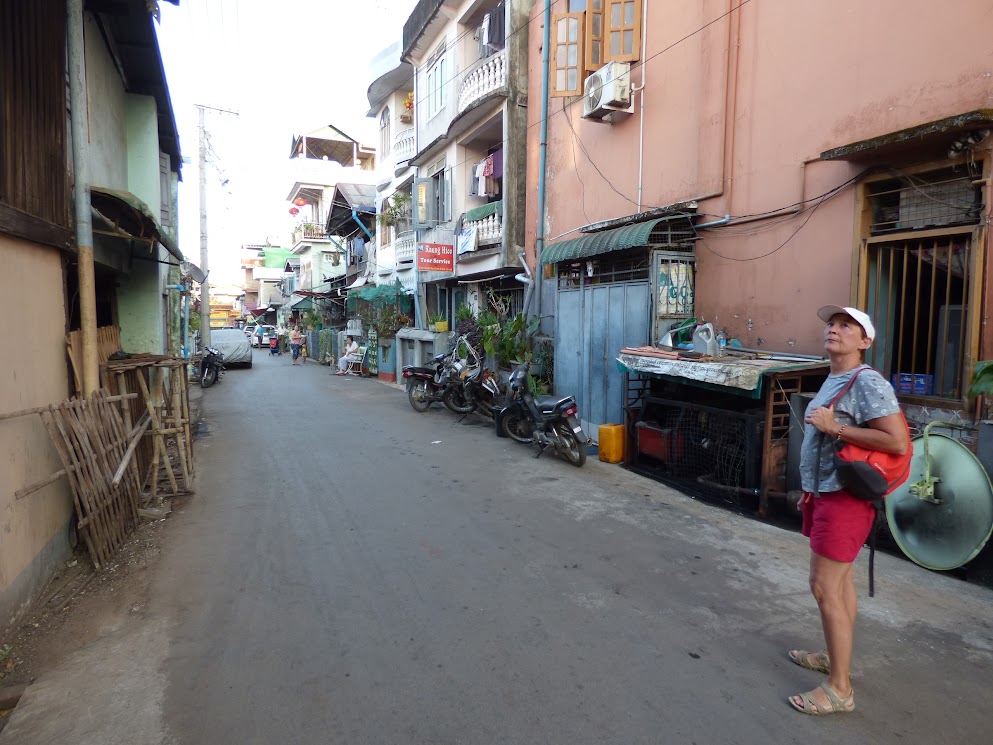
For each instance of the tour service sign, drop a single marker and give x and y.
(435, 257)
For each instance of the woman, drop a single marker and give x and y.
(296, 342)
(350, 354)
(837, 522)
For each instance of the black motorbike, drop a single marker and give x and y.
(211, 366)
(483, 390)
(437, 381)
(546, 421)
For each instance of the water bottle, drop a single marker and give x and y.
(722, 343)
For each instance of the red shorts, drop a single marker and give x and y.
(837, 524)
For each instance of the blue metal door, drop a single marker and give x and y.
(591, 325)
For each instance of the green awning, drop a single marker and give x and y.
(305, 304)
(378, 292)
(603, 242)
(131, 217)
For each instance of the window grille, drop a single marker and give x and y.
(941, 198)
(917, 292)
(618, 266)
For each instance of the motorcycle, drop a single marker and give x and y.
(546, 421)
(483, 389)
(211, 366)
(436, 382)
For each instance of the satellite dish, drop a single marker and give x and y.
(194, 271)
(942, 516)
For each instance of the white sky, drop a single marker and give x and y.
(287, 68)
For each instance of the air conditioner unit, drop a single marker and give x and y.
(608, 90)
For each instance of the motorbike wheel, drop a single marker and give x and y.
(456, 400)
(517, 427)
(209, 377)
(417, 391)
(573, 450)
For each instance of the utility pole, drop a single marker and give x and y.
(205, 285)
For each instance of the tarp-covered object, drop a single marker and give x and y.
(233, 344)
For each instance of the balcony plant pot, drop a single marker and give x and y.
(441, 327)
(432, 327)
(406, 117)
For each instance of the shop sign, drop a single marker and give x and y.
(435, 257)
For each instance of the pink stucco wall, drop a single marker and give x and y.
(736, 116)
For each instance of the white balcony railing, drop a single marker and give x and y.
(489, 75)
(309, 231)
(404, 246)
(403, 145)
(489, 229)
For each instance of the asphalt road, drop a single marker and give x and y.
(353, 572)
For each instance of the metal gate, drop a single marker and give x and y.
(592, 323)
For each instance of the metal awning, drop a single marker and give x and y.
(618, 239)
(304, 304)
(349, 198)
(126, 216)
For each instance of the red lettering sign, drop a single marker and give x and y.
(435, 257)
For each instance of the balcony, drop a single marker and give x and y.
(404, 247)
(489, 75)
(309, 231)
(488, 223)
(403, 145)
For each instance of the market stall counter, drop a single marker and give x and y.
(719, 424)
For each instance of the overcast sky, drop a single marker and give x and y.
(287, 68)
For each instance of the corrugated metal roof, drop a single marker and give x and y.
(629, 236)
(358, 196)
(131, 216)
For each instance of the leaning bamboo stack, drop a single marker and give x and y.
(96, 450)
(165, 457)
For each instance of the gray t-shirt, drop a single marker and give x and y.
(871, 397)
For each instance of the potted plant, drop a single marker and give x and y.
(407, 114)
(394, 209)
(438, 323)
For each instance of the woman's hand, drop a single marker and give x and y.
(823, 420)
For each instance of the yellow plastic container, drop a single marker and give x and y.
(611, 443)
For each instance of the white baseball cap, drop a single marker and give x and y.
(861, 318)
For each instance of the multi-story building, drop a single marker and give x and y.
(469, 64)
(787, 158)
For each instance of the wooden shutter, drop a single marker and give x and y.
(594, 35)
(622, 31)
(568, 40)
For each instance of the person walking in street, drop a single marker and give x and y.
(296, 342)
(837, 522)
(259, 333)
(351, 353)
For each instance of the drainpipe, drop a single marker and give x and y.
(716, 223)
(644, 74)
(539, 242)
(355, 216)
(81, 170)
(526, 278)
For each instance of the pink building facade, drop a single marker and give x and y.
(823, 153)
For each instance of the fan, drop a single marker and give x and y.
(942, 516)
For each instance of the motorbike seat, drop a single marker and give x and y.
(547, 404)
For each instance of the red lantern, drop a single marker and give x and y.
(299, 201)
(294, 211)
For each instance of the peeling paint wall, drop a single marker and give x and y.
(33, 534)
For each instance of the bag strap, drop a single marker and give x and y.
(848, 385)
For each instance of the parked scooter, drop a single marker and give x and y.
(211, 366)
(483, 389)
(438, 381)
(546, 421)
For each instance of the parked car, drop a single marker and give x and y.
(250, 330)
(233, 344)
(267, 331)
